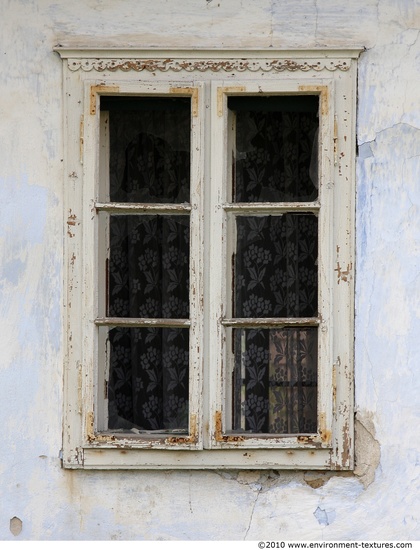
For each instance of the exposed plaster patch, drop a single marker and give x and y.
(316, 479)
(367, 460)
(15, 526)
(367, 448)
(365, 151)
(249, 477)
(324, 517)
(260, 480)
(263, 481)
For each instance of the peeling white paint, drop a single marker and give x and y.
(55, 504)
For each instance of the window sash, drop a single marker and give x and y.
(220, 283)
(97, 174)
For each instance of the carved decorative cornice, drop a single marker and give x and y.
(204, 65)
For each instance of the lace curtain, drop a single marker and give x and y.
(275, 372)
(149, 266)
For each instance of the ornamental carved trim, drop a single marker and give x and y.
(206, 65)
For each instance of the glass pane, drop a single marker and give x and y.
(275, 380)
(149, 149)
(148, 379)
(148, 273)
(276, 157)
(275, 268)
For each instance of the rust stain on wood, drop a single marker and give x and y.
(100, 89)
(322, 91)
(324, 433)
(71, 222)
(334, 383)
(343, 274)
(122, 443)
(191, 439)
(345, 454)
(193, 92)
(89, 426)
(226, 90)
(218, 431)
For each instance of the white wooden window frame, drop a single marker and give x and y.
(208, 78)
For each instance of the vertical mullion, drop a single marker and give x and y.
(217, 264)
(205, 159)
(196, 269)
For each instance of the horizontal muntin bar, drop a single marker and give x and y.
(141, 322)
(271, 322)
(142, 208)
(258, 208)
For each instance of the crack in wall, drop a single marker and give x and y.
(271, 23)
(369, 142)
(316, 21)
(417, 37)
(189, 494)
(252, 512)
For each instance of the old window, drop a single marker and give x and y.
(210, 254)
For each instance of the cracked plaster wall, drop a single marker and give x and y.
(378, 501)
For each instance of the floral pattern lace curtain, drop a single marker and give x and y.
(275, 267)
(274, 383)
(149, 265)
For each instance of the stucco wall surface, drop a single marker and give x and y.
(381, 500)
